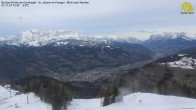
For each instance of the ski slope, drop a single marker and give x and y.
(10, 101)
(131, 102)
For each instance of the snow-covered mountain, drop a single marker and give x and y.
(173, 35)
(170, 42)
(40, 37)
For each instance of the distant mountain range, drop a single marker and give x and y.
(60, 37)
(164, 43)
(168, 43)
(61, 52)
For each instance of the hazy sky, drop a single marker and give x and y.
(135, 18)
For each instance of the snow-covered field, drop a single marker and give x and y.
(10, 101)
(135, 101)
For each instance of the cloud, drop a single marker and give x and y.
(99, 17)
(142, 31)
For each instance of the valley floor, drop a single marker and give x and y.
(135, 101)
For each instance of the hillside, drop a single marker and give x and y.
(21, 61)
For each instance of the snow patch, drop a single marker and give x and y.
(184, 63)
(181, 55)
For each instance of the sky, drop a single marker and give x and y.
(134, 18)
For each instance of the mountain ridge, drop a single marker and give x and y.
(161, 42)
(43, 37)
(168, 43)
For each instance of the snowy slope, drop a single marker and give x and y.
(9, 100)
(40, 37)
(85, 104)
(184, 63)
(131, 102)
